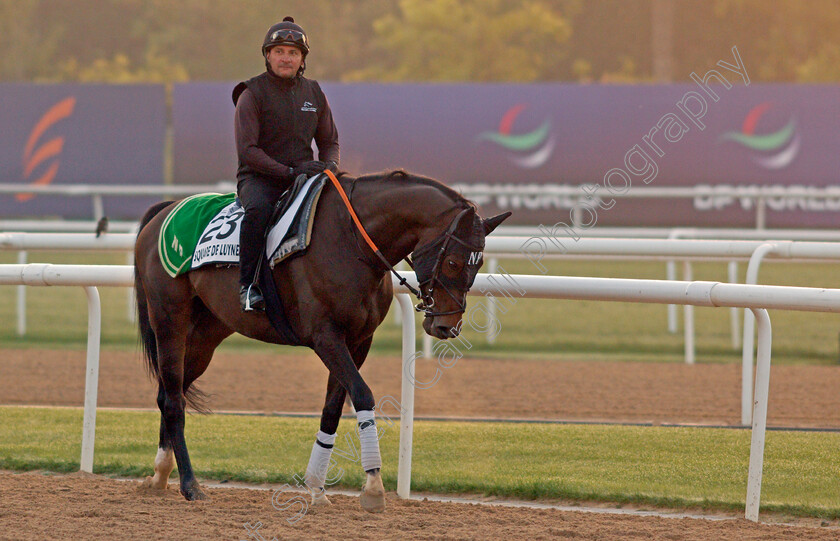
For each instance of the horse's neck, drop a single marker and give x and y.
(399, 216)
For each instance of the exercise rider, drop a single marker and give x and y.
(278, 114)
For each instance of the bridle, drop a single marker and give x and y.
(418, 260)
(427, 284)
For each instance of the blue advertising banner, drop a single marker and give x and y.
(718, 131)
(202, 125)
(80, 134)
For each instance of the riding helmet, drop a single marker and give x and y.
(286, 33)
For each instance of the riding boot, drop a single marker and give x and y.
(258, 196)
(251, 298)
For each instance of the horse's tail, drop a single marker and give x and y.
(148, 342)
(196, 399)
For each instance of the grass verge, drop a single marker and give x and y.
(657, 466)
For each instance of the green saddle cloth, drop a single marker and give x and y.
(184, 226)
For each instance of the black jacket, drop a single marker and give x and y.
(276, 120)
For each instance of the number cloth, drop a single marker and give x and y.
(204, 229)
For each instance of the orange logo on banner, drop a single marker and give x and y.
(33, 157)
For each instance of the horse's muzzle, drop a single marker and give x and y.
(439, 329)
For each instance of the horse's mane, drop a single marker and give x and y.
(400, 175)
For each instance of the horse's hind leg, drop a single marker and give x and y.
(207, 333)
(171, 321)
(205, 336)
(165, 458)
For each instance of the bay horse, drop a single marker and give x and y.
(335, 296)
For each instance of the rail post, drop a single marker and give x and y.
(759, 423)
(91, 378)
(406, 397)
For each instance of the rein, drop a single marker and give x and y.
(426, 299)
(368, 240)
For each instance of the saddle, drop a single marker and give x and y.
(290, 226)
(204, 229)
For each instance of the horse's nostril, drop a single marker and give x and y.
(445, 331)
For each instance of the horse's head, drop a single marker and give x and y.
(446, 268)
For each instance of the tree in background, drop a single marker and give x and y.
(466, 40)
(787, 40)
(28, 50)
(609, 41)
(120, 70)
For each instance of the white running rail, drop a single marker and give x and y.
(757, 298)
(533, 249)
(88, 277)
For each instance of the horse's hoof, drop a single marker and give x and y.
(193, 493)
(149, 484)
(320, 499)
(373, 494)
(373, 502)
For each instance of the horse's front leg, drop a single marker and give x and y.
(320, 459)
(331, 348)
(321, 456)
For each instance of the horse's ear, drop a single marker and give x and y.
(492, 223)
(466, 220)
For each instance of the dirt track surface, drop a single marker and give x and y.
(89, 507)
(802, 396)
(37, 506)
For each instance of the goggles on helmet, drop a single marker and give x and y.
(285, 35)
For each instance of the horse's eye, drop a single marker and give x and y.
(453, 265)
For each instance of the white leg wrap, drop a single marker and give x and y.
(319, 460)
(369, 440)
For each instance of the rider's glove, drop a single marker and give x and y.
(310, 168)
